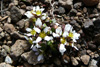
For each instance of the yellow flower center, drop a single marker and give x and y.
(38, 12)
(71, 35)
(34, 19)
(42, 34)
(63, 40)
(30, 41)
(33, 32)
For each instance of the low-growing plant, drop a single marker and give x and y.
(46, 35)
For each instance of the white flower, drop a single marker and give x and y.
(46, 29)
(59, 30)
(62, 49)
(40, 57)
(44, 16)
(38, 22)
(29, 14)
(68, 27)
(75, 36)
(32, 31)
(65, 34)
(56, 35)
(48, 38)
(37, 29)
(34, 48)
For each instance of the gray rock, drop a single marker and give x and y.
(98, 6)
(77, 5)
(5, 65)
(18, 48)
(8, 60)
(1, 29)
(9, 28)
(88, 23)
(61, 10)
(93, 63)
(15, 14)
(31, 58)
(2, 34)
(85, 59)
(15, 2)
(74, 61)
(66, 3)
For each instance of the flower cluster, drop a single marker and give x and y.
(43, 33)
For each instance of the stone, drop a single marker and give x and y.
(15, 2)
(21, 24)
(22, 11)
(92, 46)
(1, 29)
(90, 2)
(74, 61)
(88, 23)
(77, 5)
(7, 48)
(18, 48)
(15, 14)
(66, 59)
(8, 60)
(5, 65)
(61, 10)
(85, 59)
(3, 52)
(2, 34)
(31, 58)
(98, 6)
(9, 28)
(93, 63)
(66, 3)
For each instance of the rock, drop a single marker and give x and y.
(61, 10)
(93, 63)
(7, 48)
(83, 52)
(85, 59)
(2, 34)
(98, 6)
(3, 52)
(97, 23)
(74, 61)
(73, 12)
(88, 23)
(77, 5)
(16, 35)
(92, 46)
(9, 28)
(15, 2)
(27, 65)
(18, 48)
(15, 14)
(90, 2)
(21, 23)
(22, 11)
(29, 1)
(1, 29)
(8, 60)
(66, 3)
(5, 65)
(66, 59)
(31, 58)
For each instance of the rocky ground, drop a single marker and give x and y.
(84, 15)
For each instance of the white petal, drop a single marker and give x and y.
(56, 35)
(59, 30)
(48, 38)
(34, 8)
(26, 37)
(68, 27)
(65, 61)
(62, 49)
(29, 14)
(42, 9)
(38, 46)
(37, 29)
(46, 29)
(34, 48)
(65, 34)
(40, 57)
(29, 34)
(37, 8)
(38, 39)
(28, 29)
(38, 22)
(43, 17)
